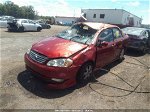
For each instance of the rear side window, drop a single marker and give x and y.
(117, 34)
(31, 22)
(106, 35)
(24, 21)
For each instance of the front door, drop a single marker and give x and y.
(105, 54)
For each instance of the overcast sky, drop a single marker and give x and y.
(141, 8)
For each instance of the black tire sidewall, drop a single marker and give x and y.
(48, 27)
(39, 29)
(80, 79)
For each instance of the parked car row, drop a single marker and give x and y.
(23, 25)
(27, 25)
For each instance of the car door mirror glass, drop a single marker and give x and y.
(104, 43)
(101, 43)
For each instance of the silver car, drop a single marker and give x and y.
(4, 20)
(23, 25)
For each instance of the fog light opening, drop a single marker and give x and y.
(57, 80)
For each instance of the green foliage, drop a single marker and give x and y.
(11, 9)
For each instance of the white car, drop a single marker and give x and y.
(23, 25)
(4, 20)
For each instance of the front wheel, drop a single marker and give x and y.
(39, 29)
(85, 73)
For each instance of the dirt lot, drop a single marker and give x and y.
(128, 88)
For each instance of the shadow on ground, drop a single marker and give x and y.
(38, 87)
(135, 53)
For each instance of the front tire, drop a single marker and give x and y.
(39, 29)
(85, 73)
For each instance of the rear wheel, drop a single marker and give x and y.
(85, 73)
(48, 27)
(121, 56)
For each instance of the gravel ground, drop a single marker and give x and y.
(125, 86)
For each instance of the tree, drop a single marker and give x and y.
(11, 9)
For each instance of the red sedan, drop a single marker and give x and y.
(71, 56)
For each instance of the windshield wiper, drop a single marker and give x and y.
(77, 36)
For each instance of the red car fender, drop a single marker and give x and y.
(88, 54)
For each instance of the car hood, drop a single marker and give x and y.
(135, 37)
(55, 47)
(38, 25)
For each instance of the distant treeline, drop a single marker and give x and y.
(10, 9)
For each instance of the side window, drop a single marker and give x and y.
(117, 34)
(24, 21)
(94, 16)
(31, 22)
(106, 35)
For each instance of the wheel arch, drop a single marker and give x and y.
(78, 75)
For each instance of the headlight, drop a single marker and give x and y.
(60, 62)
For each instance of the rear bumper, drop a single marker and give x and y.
(14, 28)
(46, 74)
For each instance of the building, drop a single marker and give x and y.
(65, 20)
(118, 17)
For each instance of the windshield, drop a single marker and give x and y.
(79, 33)
(132, 31)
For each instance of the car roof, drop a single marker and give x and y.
(97, 26)
(138, 28)
(134, 30)
(22, 19)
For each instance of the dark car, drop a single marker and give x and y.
(44, 25)
(139, 38)
(71, 56)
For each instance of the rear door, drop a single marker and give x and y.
(105, 54)
(118, 41)
(26, 25)
(32, 25)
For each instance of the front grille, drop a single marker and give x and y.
(37, 57)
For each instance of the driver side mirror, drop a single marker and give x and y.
(101, 43)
